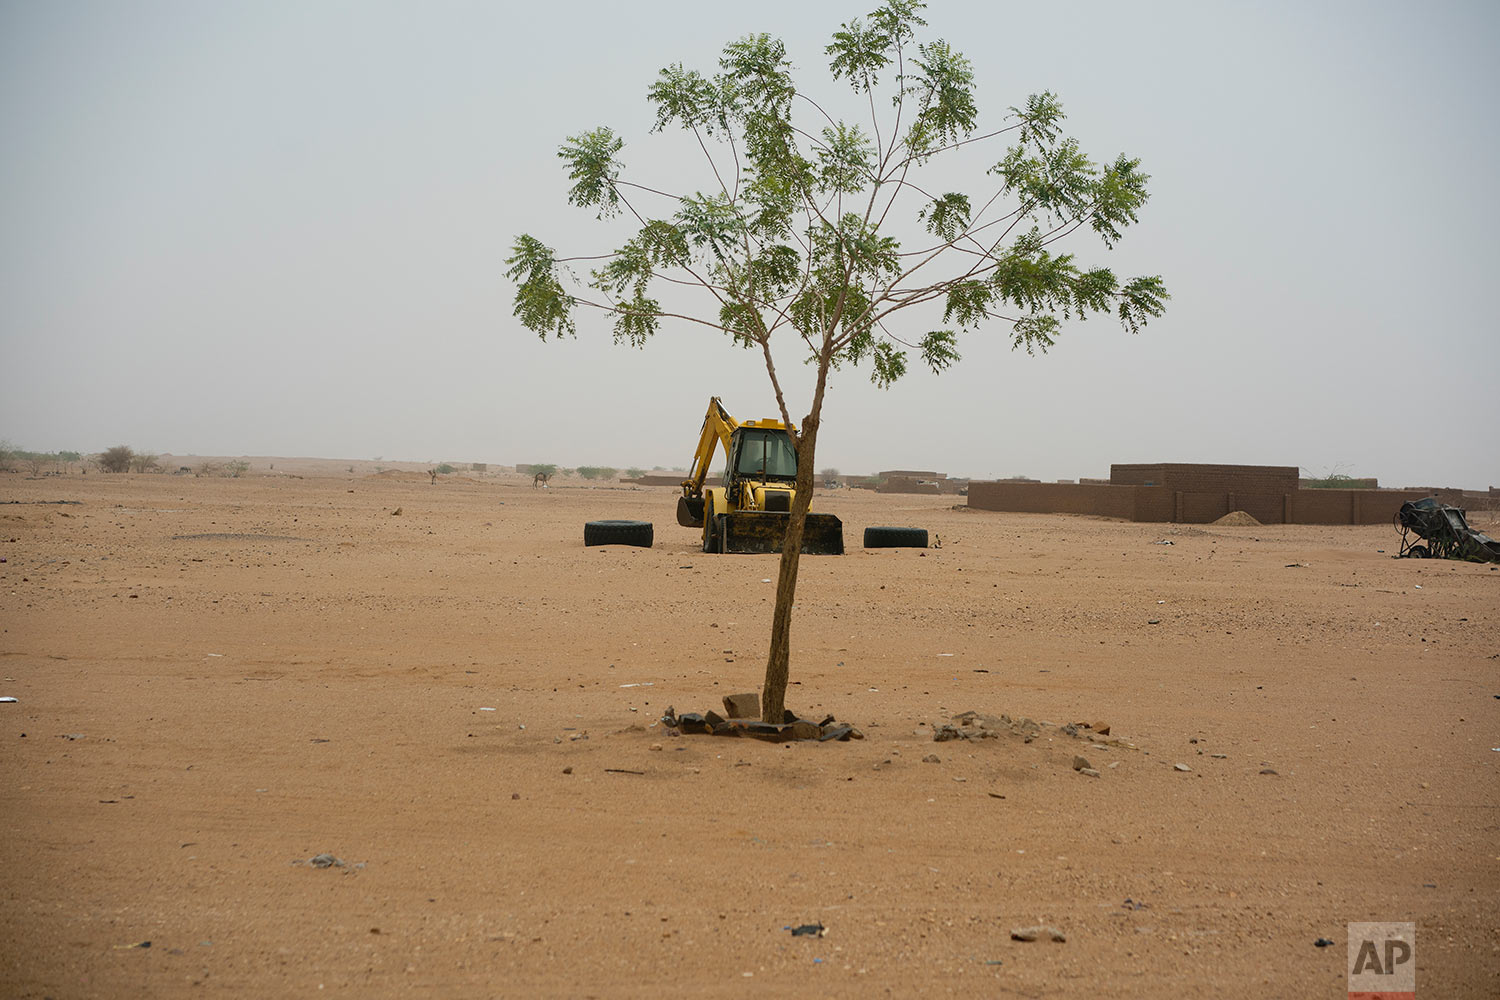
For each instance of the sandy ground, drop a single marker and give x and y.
(220, 679)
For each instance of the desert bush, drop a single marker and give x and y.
(445, 469)
(116, 459)
(235, 468)
(635, 473)
(143, 462)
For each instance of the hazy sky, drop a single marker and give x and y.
(279, 228)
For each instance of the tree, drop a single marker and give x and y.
(798, 237)
(143, 462)
(236, 467)
(116, 459)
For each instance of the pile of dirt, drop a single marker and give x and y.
(1238, 517)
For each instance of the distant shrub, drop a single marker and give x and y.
(445, 469)
(116, 459)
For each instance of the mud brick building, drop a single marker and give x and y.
(1198, 494)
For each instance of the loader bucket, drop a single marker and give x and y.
(765, 531)
(690, 512)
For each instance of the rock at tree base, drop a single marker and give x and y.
(742, 706)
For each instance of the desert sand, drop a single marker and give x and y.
(218, 680)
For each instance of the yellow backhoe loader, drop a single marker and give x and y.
(750, 512)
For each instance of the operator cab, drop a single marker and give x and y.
(763, 454)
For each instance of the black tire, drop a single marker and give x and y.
(1419, 552)
(709, 540)
(640, 533)
(886, 537)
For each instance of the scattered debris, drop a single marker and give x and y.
(1323, 943)
(127, 947)
(790, 729)
(1082, 764)
(1088, 772)
(1267, 770)
(619, 770)
(1038, 933)
(1181, 767)
(809, 930)
(325, 861)
(396, 512)
(980, 726)
(8, 700)
(931, 758)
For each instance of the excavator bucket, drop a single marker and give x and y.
(690, 512)
(765, 531)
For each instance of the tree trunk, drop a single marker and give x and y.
(778, 661)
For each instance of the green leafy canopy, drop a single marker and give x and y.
(796, 231)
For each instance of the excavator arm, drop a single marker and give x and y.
(718, 429)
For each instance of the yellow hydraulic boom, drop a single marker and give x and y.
(749, 513)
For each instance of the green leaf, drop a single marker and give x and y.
(743, 322)
(940, 350)
(1094, 291)
(944, 89)
(1119, 192)
(889, 364)
(637, 319)
(859, 54)
(1036, 333)
(968, 303)
(710, 222)
(689, 98)
(1038, 120)
(540, 304)
(947, 216)
(845, 163)
(1033, 279)
(1142, 299)
(774, 271)
(593, 169)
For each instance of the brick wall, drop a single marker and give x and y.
(903, 484)
(1167, 504)
(1195, 478)
(1054, 498)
